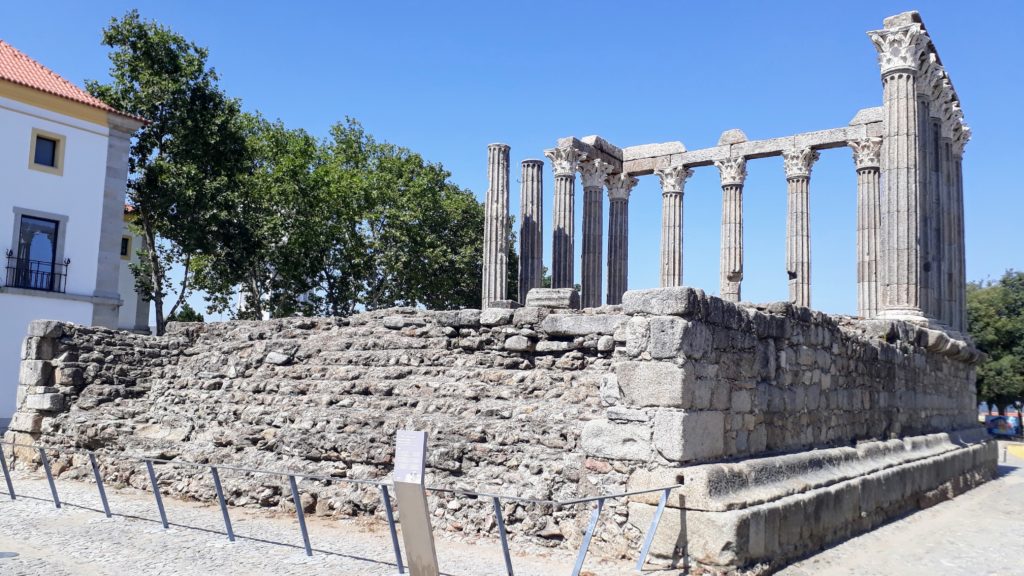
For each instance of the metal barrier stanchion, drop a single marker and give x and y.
(7, 473)
(585, 545)
(504, 535)
(301, 515)
(49, 477)
(390, 513)
(223, 503)
(156, 493)
(99, 483)
(646, 548)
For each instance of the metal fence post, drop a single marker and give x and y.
(299, 512)
(49, 477)
(504, 535)
(585, 545)
(99, 483)
(156, 493)
(7, 473)
(390, 513)
(649, 538)
(223, 503)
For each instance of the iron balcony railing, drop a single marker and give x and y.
(383, 486)
(36, 274)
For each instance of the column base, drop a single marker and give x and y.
(912, 315)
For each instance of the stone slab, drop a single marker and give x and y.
(646, 383)
(557, 298)
(687, 436)
(615, 440)
(581, 324)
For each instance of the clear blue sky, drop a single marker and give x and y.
(446, 79)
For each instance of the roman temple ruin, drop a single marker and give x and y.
(788, 429)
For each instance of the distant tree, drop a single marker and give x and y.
(186, 313)
(185, 163)
(996, 321)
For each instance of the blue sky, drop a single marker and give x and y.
(446, 79)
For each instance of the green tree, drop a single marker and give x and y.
(996, 320)
(185, 163)
(186, 313)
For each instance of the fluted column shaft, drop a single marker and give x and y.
(564, 162)
(673, 179)
(900, 49)
(619, 187)
(797, 164)
(948, 234)
(593, 174)
(733, 172)
(496, 226)
(671, 238)
(959, 262)
(531, 227)
(593, 232)
(866, 157)
(798, 241)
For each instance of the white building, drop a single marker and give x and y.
(63, 172)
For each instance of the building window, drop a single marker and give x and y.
(35, 264)
(46, 153)
(126, 248)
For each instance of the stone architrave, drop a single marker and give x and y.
(733, 172)
(593, 174)
(866, 158)
(496, 224)
(673, 180)
(900, 47)
(619, 188)
(564, 164)
(531, 227)
(797, 164)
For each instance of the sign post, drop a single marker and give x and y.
(413, 515)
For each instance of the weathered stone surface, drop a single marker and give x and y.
(677, 301)
(685, 436)
(559, 298)
(655, 383)
(615, 440)
(28, 422)
(36, 348)
(279, 358)
(519, 344)
(45, 402)
(45, 328)
(496, 316)
(35, 373)
(532, 315)
(581, 324)
(669, 544)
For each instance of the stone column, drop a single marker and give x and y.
(673, 179)
(495, 265)
(948, 218)
(797, 163)
(593, 175)
(866, 154)
(531, 227)
(960, 139)
(564, 162)
(733, 172)
(619, 187)
(900, 46)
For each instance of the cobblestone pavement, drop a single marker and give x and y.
(79, 540)
(979, 533)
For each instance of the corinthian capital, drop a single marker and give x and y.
(899, 48)
(867, 152)
(673, 178)
(594, 173)
(620, 185)
(733, 171)
(798, 162)
(960, 139)
(564, 161)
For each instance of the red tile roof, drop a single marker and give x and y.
(17, 67)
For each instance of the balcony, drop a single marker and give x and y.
(36, 274)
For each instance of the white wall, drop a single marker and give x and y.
(17, 311)
(77, 194)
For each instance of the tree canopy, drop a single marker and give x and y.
(244, 206)
(996, 320)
